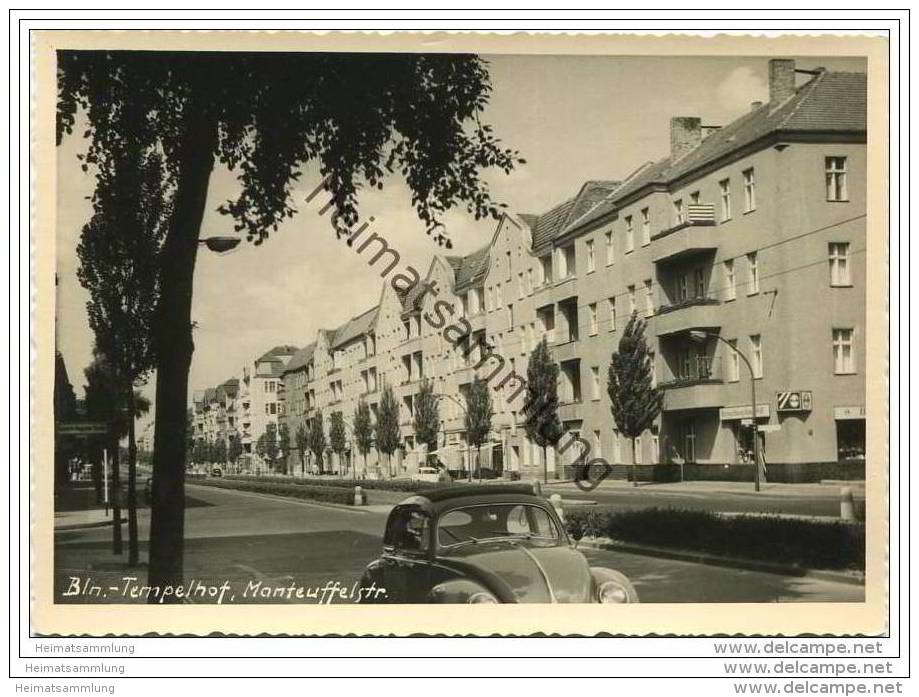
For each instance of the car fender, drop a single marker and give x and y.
(457, 590)
(601, 574)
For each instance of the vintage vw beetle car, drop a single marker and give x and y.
(495, 544)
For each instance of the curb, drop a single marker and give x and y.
(307, 502)
(86, 526)
(716, 560)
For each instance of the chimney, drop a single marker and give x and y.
(755, 105)
(781, 80)
(685, 134)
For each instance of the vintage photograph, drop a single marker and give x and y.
(360, 327)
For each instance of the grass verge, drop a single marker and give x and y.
(405, 485)
(327, 494)
(806, 543)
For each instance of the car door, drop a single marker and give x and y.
(405, 567)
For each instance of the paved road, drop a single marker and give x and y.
(247, 538)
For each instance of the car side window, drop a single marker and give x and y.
(408, 530)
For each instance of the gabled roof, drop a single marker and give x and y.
(830, 102)
(551, 225)
(278, 353)
(230, 387)
(300, 359)
(355, 327)
(470, 269)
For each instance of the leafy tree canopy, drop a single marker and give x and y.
(634, 402)
(479, 412)
(541, 404)
(427, 415)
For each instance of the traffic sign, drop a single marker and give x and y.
(82, 428)
(800, 400)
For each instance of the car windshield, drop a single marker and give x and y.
(499, 521)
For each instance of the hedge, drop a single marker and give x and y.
(329, 494)
(406, 485)
(807, 543)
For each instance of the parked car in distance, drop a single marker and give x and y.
(472, 544)
(216, 472)
(427, 474)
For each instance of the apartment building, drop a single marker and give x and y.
(262, 395)
(749, 235)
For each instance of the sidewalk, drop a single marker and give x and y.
(78, 520)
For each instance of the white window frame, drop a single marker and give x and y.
(591, 261)
(749, 190)
(645, 226)
(649, 298)
(843, 337)
(679, 214)
(836, 169)
(610, 249)
(730, 280)
(733, 362)
(753, 271)
(611, 304)
(595, 380)
(632, 306)
(592, 316)
(724, 187)
(756, 355)
(629, 235)
(840, 269)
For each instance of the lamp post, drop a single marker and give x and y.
(699, 336)
(466, 414)
(220, 243)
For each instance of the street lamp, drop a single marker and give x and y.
(699, 337)
(220, 243)
(466, 414)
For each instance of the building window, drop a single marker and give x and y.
(631, 290)
(655, 450)
(612, 314)
(694, 198)
(591, 262)
(649, 298)
(617, 447)
(598, 448)
(629, 234)
(749, 191)
(730, 280)
(510, 317)
(645, 226)
(733, 362)
(498, 301)
(724, 187)
(689, 441)
(836, 179)
(595, 384)
(843, 355)
(753, 267)
(756, 355)
(839, 264)
(638, 450)
(520, 290)
(488, 299)
(529, 281)
(592, 315)
(698, 278)
(508, 256)
(545, 264)
(610, 251)
(678, 217)
(682, 288)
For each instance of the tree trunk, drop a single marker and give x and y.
(174, 345)
(115, 486)
(133, 555)
(545, 464)
(634, 467)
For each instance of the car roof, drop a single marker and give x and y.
(456, 496)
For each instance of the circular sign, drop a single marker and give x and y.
(794, 400)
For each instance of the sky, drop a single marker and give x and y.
(573, 118)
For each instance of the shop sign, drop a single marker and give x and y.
(744, 412)
(844, 413)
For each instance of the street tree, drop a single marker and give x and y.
(337, 436)
(220, 451)
(118, 251)
(634, 401)
(283, 446)
(266, 447)
(479, 412)
(235, 449)
(540, 408)
(357, 117)
(106, 402)
(363, 429)
(386, 428)
(301, 438)
(317, 443)
(427, 416)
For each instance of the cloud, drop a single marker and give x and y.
(741, 87)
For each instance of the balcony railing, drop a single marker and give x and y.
(696, 214)
(700, 370)
(688, 302)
